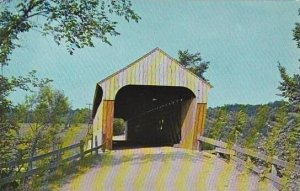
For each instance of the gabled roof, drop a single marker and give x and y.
(144, 56)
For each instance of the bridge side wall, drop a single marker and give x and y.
(103, 124)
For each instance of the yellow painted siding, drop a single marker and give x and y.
(187, 129)
(155, 69)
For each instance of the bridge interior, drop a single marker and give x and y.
(153, 114)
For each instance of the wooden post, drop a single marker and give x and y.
(188, 114)
(199, 122)
(103, 142)
(96, 145)
(199, 145)
(30, 164)
(274, 170)
(81, 149)
(92, 143)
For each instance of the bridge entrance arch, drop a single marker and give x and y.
(153, 115)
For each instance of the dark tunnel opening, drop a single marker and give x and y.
(153, 114)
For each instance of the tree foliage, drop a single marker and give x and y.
(290, 87)
(81, 116)
(274, 130)
(238, 124)
(259, 123)
(296, 32)
(73, 23)
(118, 127)
(219, 124)
(8, 121)
(76, 23)
(193, 62)
(47, 111)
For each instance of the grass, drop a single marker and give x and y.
(70, 136)
(71, 171)
(74, 134)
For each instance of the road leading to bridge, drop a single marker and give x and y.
(164, 168)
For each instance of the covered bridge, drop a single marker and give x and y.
(161, 102)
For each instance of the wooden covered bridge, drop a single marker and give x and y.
(163, 105)
(161, 102)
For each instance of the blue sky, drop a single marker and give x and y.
(243, 40)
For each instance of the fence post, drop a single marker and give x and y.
(92, 143)
(81, 149)
(103, 142)
(96, 144)
(199, 145)
(273, 170)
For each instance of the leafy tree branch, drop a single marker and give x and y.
(193, 62)
(76, 23)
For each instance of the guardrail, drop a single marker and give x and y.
(56, 155)
(231, 153)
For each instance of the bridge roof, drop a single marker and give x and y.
(157, 49)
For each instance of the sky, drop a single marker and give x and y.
(243, 40)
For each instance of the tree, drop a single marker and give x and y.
(290, 87)
(11, 143)
(76, 23)
(259, 123)
(276, 125)
(81, 116)
(193, 62)
(47, 110)
(219, 124)
(296, 33)
(118, 126)
(8, 123)
(240, 119)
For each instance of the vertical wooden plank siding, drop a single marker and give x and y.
(154, 69)
(199, 123)
(109, 121)
(164, 75)
(187, 129)
(96, 125)
(99, 125)
(104, 140)
(171, 80)
(203, 115)
(138, 74)
(160, 72)
(196, 124)
(150, 73)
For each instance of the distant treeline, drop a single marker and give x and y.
(73, 116)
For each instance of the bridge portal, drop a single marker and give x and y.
(161, 101)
